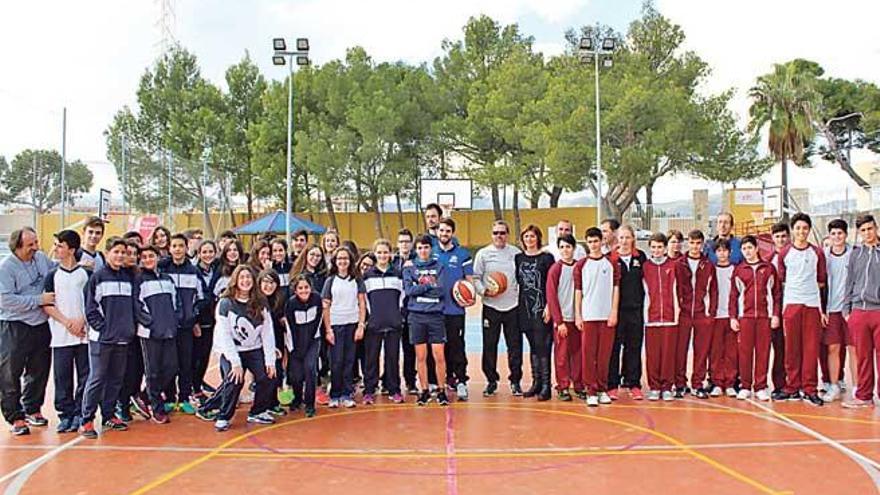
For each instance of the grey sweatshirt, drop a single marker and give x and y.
(863, 280)
(491, 259)
(21, 285)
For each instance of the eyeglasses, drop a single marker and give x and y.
(499, 233)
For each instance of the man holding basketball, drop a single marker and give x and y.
(457, 265)
(495, 281)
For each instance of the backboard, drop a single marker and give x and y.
(450, 194)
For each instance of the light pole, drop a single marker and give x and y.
(283, 56)
(592, 53)
(63, 164)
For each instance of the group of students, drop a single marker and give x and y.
(133, 328)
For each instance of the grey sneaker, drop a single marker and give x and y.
(264, 418)
(653, 395)
(668, 396)
(461, 391)
(221, 425)
(604, 398)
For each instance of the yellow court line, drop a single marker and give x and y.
(443, 455)
(708, 460)
(685, 448)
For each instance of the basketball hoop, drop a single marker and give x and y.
(447, 202)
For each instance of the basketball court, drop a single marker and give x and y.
(502, 444)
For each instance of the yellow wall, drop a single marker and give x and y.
(742, 214)
(473, 228)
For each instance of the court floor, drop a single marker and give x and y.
(501, 444)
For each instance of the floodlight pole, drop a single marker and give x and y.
(598, 149)
(63, 164)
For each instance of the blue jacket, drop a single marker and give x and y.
(384, 297)
(113, 307)
(422, 285)
(208, 304)
(161, 301)
(186, 280)
(457, 264)
(736, 255)
(305, 322)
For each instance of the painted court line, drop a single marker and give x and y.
(32, 465)
(451, 466)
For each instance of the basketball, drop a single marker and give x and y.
(496, 283)
(464, 293)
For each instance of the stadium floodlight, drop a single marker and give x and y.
(587, 58)
(302, 60)
(302, 44)
(586, 43)
(608, 44)
(278, 60)
(279, 44)
(607, 62)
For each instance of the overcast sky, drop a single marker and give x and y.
(88, 56)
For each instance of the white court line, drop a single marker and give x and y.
(815, 434)
(40, 460)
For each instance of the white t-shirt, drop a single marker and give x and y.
(723, 274)
(69, 300)
(343, 294)
(836, 265)
(596, 279)
(801, 271)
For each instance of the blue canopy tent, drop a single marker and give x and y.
(273, 223)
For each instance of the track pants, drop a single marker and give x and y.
(660, 347)
(754, 352)
(777, 339)
(342, 362)
(701, 328)
(864, 327)
(567, 358)
(181, 388)
(375, 341)
(71, 364)
(254, 362)
(302, 373)
(494, 322)
(25, 359)
(201, 356)
(723, 354)
(134, 373)
(160, 365)
(106, 370)
(628, 337)
(802, 338)
(597, 339)
(455, 353)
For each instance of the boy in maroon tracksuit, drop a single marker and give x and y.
(698, 300)
(755, 306)
(661, 319)
(723, 354)
(566, 335)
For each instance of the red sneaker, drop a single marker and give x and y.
(613, 394)
(321, 397)
(636, 393)
(88, 430)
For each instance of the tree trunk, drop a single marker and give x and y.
(843, 162)
(206, 218)
(249, 191)
(784, 190)
(517, 222)
(535, 199)
(496, 202)
(555, 194)
(377, 215)
(331, 212)
(399, 209)
(648, 210)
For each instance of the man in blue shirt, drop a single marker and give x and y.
(457, 265)
(724, 229)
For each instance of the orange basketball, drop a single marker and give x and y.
(496, 283)
(464, 293)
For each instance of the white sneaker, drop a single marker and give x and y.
(716, 391)
(763, 395)
(604, 398)
(264, 418)
(668, 396)
(730, 392)
(653, 395)
(832, 394)
(593, 400)
(348, 403)
(461, 391)
(825, 387)
(333, 404)
(842, 385)
(221, 425)
(744, 394)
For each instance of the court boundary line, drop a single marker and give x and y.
(35, 463)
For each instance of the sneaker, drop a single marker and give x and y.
(593, 400)
(824, 387)
(170, 407)
(679, 393)
(701, 393)
(368, 399)
(221, 425)
(763, 395)
(653, 395)
(490, 389)
(63, 425)
(636, 393)
(582, 395)
(205, 415)
(604, 398)
(396, 398)
(20, 427)
(564, 395)
(515, 389)
(668, 396)
(76, 422)
(333, 404)
(857, 403)
(461, 391)
(264, 418)
(442, 399)
(841, 384)
(186, 408)
(730, 392)
(716, 391)
(88, 430)
(744, 394)
(310, 412)
(277, 411)
(348, 403)
(140, 407)
(432, 387)
(424, 398)
(780, 395)
(116, 424)
(321, 397)
(123, 413)
(795, 397)
(36, 419)
(412, 390)
(161, 418)
(832, 394)
(813, 400)
(613, 394)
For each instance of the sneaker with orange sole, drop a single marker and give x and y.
(321, 397)
(613, 393)
(636, 393)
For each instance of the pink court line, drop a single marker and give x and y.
(451, 467)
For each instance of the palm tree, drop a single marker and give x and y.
(786, 100)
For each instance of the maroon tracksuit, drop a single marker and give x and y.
(698, 300)
(596, 279)
(566, 349)
(755, 297)
(863, 305)
(661, 322)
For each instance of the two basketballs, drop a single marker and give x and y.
(465, 294)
